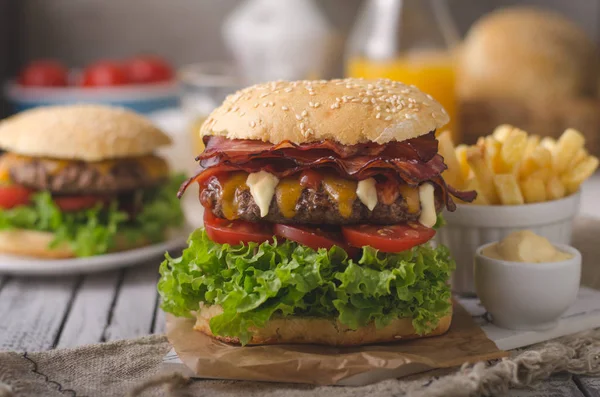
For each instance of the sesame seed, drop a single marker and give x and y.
(317, 104)
(284, 108)
(311, 104)
(243, 114)
(373, 101)
(304, 113)
(388, 118)
(407, 115)
(265, 104)
(301, 126)
(405, 91)
(430, 97)
(366, 100)
(444, 111)
(338, 100)
(271, 104)
(264, 94)
(309, 131)
(355, 100)
(298, 117)
(256, 105)
(378, 116)
(253, 124)
(335, 106)
(378, 108)
(289, 89)
(311, 93)
(410, 105)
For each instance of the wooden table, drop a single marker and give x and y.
(40, 313)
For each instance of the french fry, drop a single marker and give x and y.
(472, 184)
(539, 158)
(566, 148)
(461, 154)
(548, 142)
(543, 173)
(483, 173)
(453, 173)
(513, 148)
(508, 189)
(579, 157)
(502, 131)
(555, 189)
(533, 141)
(573, 178)
(493, 156)
(533, 189)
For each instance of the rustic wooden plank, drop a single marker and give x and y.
(557, 386)
(589, 385)
(134, 308)
(32, 311)
(89, 313)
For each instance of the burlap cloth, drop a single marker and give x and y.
(131, 367)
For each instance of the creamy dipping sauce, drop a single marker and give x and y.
(525, 246)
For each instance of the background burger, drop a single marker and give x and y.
(320, 199)
(82, 180)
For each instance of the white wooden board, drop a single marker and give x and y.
(134, 308)
(90, 310)
(32, 312)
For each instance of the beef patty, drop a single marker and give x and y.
(313, 207)
(76, 177)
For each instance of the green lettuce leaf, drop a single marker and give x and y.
(93, 231)
(257, 281)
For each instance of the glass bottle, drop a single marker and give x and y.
(411, 41)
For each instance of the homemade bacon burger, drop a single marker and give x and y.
(320, 200)
(83, 180)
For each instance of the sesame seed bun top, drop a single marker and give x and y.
(80, 132)
(348, 111)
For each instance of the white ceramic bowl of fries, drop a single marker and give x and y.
(522, 181)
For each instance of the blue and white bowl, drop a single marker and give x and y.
(145, 98)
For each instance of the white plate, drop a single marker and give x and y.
(18, 265)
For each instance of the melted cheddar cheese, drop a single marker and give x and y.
(287, 195)
(343, 191)
(411, 195)
(230, 184)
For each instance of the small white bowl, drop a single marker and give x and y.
(527, 296)
(471, 226)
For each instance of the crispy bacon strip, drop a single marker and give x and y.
(422, 148)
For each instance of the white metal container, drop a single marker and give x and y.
(472, 226)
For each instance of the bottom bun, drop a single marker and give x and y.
(33, 243)
(320, 331)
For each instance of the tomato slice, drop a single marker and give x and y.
(223, 231)
(391, 238)
(314, 238)
(77, 203)
(13, 196)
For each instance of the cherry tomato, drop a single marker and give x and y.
(392, 238)
(314, 238)
(223, 231)
(104, 74)
(13, 196)
(44, 73)
(77, 203)
(146, 69)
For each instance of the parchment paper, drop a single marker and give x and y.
(209, 358)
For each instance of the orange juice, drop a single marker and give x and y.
(197, 144)
(433, 73)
